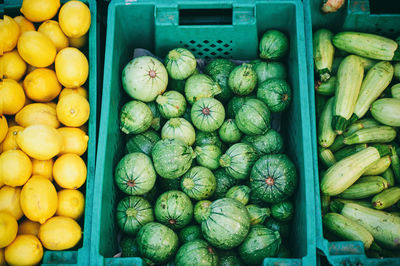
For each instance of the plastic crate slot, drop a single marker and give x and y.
(205, 16)
(384, 7)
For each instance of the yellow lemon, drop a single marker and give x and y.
(24, 250)
(13, 96)
(71, 203)
(60, 233)
(9, 33)
(52, 29)
(36, 49)
(52, 105)
(75, 140)
(43, 168)
(10, 142)
(15, 168)
(40, 141)
(24, 24)
(14, 67)
(69, 171)
(73, 110)
(9, 201)
(39, 199)
(72, 67)
(39, 10)
(80, 90)
(27, 227)
(8, 229)
(79, 42)
(2, 259)
(37, 114)
(41, 85)
(3, 127)
(74, 18)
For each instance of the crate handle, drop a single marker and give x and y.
(378, 7)
(198, 16)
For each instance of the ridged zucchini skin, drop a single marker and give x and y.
(347, 229)
(349, 150)
(326, 88)
(360, 124)
(327, 157)
(365, 203)
(387, 111)
(379, 134)
(386, 198)
(325, 201)
(348, 84)
(395, 90)
(379, 166)
(395, 164)
(362, 190)
(323, 52)
(326, 135)
(367, 63)
(337, 144)
(367, 45)
(373, 178)
(388, 175)
(374, 83)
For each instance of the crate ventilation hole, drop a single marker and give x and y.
(209, 48)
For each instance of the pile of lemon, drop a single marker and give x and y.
(43, 114)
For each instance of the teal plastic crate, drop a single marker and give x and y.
(356, 15)
(80, 254)
(160, 26)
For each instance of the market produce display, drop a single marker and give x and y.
(204, 179)
(44, 112)
(358, 115)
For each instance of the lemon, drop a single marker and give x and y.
(12, 96)
(41, 85)
(9, 33)
(74, 18)
(43, 168)
(37, 114)
(80, 90)
(69, 171)
(27, 227)
(52, 29)
(24, 24)
(75, 140)
(10, 142)
(39, 199)
(40, 141)
(3, 127)
(73, 110)
(2, 259)
(14, 67)
(15, 168)
(8, 229)
(24, 250)
(79, 42)
(9, 201)
(36, 49)
(39, 10)
(52, 105)
(71, 203)
(60, 233)
(72, 67)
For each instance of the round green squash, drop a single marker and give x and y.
(219, 70)
(207, 114)
(227, 223)
(229, 260)
(132, 213)
(235, 104)
(135, 117)
(129, 247)
(208, 138)
(201, 210)
(196, 252)
(173, 209)
(258, 215)
(171, 104)
(172, 158)
(229, 132)
(198, 183)
(179, 128)
(281, 227)
(190, 233)
(208, 156)
(284, 252)
(158, 120)
(255, 198)
(275, 93)
(273, 45)
(282, 211)
(180, 63)
(253, 118)
(273, 178)
(260, 243)
(157, 242)
(135, 174)
(269, 143)
(224, 183)
(200, 86)
(238, 160)
(269, 70)
(243, 79)
(143, 142)
(240, 193)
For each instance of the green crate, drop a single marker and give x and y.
(80, 254)
(355, 16)
(158, 30)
